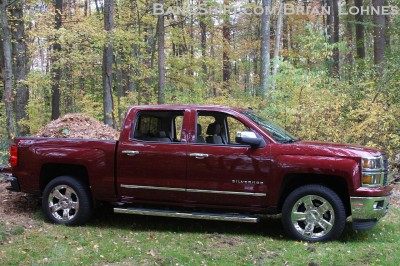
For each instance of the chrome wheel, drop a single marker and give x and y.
(313, 216)
(63, 203)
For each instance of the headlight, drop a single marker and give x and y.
(372, 163)
(373, 172)
(373, 180)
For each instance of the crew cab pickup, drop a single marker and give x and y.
(206, 162)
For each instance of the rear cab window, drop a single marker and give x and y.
(158, 126)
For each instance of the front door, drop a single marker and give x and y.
(222, 172)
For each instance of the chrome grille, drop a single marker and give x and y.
(386, 170)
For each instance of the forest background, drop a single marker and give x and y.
(329, 77)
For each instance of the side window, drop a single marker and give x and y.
(147, 126)
(217, 128)
(203, 130)
(234, 126)
(178, 123)
(158, 126)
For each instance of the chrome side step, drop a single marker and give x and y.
(190, 215)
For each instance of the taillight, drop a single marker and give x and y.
(13, 155)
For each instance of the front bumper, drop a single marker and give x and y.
(366, 211)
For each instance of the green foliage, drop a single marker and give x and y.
(315, 107)
(361, 107)
(38, 108)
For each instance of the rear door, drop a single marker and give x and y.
(151, 164)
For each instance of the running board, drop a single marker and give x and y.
(190, 215)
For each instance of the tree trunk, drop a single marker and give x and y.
(379, 36)
(388, 31)
(349, 33)
(286, 36)
(360, 42)
(85, 10)
(335, 38)
(7, 75)
(161, 58)
(55, 68)
(277, 39)
(265, 50)
(329, 20)
(120, 82)
(20, 57)
(1, 56)
(97, 7)
(203, 43)
(148, 62)
(226, 64)
(108, 104)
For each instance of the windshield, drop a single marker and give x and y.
(278, 133)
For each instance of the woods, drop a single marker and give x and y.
(324, 76)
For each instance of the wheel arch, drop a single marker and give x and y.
(336, 183)
(50, 171)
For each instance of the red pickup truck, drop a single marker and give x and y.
(206, 162)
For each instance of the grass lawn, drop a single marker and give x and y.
(117, 239)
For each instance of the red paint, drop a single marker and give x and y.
(168, 165)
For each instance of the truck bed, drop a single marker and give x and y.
(94, 159)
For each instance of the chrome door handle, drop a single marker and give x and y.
(199, 155)
(130, 153)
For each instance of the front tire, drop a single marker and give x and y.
(313, 213)
(66, 200)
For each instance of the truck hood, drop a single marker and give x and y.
(328, 149)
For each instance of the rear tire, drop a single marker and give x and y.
(313, 213)
(67, 200)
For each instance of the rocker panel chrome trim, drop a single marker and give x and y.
(254, 194)
(227, 192)
(153, 187)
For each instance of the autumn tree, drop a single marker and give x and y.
(360, 40)
(226, 42)
(265, 50)
(335, 37)
(161, 57)
(55, 66)
(7, 73)
(278, 33)
(379, 35)
(108, 105)
(19, 54)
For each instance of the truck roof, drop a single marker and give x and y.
(186, 106)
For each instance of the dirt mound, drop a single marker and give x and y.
(78, 126)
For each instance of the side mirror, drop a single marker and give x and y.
(249, 138)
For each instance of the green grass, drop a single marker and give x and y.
(136, 240)
(7, 231)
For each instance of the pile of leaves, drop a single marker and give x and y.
(78, 126)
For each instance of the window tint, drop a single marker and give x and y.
(217, 128)
(149, 125)
(159, 126)
(203, 121)
(234, 126)
(178, 123)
